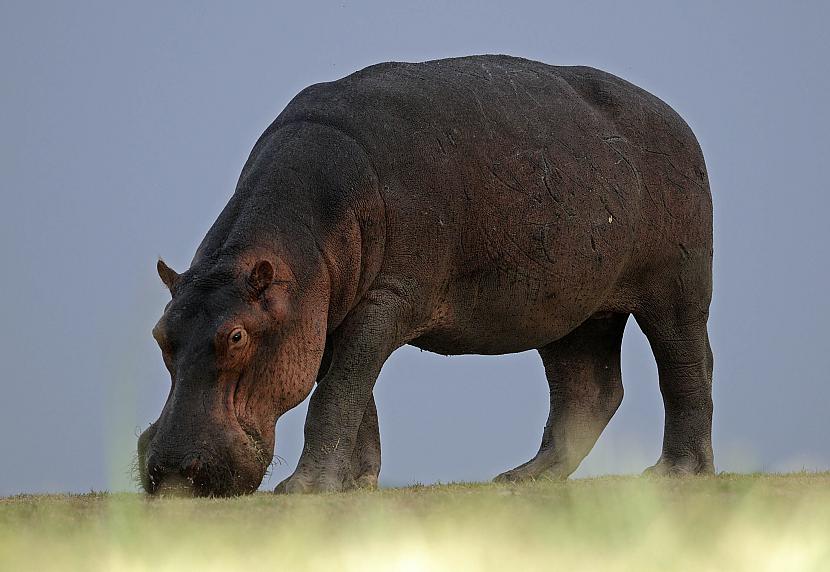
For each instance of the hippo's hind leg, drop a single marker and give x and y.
(676, 331)
(583, 371)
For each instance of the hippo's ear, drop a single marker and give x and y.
(261, 277)
(167, 274)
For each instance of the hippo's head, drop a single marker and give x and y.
(239, 355)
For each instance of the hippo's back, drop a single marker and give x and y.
(562, 182)
(493, 126)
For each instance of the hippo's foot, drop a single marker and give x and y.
(318, 480)
(680, 467)
(311, 481)
(366, 482)
(534, 470)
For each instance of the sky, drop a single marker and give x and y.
(123, 129)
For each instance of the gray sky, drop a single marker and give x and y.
(123, 129)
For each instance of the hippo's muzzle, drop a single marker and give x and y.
(226, 464)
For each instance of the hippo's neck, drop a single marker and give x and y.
(308, 200)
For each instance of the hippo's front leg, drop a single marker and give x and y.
(366, 456)
(341, 441)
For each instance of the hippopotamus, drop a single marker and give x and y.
(473, 205)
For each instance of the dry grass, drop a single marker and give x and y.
(730, 522)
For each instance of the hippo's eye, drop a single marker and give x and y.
(237, 336)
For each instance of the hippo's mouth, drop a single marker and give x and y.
(256, 443)
(140, 466)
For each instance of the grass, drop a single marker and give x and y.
(729, 522)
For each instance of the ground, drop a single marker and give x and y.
(728, 522)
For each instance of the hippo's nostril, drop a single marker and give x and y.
(191, 469)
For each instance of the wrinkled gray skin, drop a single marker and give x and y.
(480, 205)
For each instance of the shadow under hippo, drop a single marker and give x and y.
(475, 205)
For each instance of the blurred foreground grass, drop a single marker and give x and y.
(730, 522)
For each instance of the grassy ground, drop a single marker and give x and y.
(730, 522)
